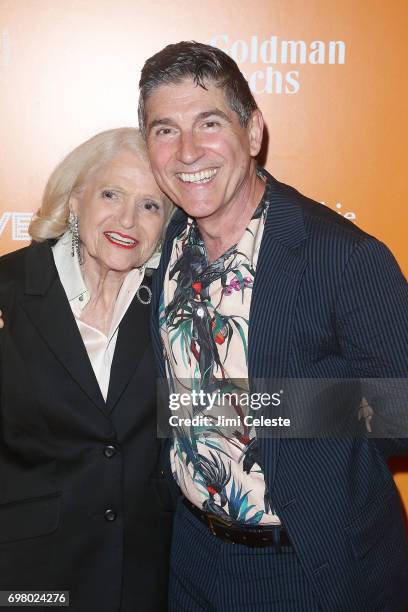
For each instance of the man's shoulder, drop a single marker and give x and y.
(319, 220)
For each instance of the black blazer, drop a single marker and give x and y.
(83, 505)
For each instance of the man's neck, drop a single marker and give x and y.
(222, 231)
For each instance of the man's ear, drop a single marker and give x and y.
(255, 132)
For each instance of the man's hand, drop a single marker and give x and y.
(1, 320)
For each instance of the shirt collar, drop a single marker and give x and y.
(69, 270)
(249, 243)
(70, 274)
(153, 262)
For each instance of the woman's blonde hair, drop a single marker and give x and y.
(51, 220)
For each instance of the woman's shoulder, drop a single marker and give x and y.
(13, 265)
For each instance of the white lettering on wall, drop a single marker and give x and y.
(4, 219)
(273, 50)
(350, 215)
(19, 224)
(21, 221)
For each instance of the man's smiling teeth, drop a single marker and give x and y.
(120, 239)
(197, 177)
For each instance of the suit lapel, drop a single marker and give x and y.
(132, 341)
(273, 302)
(47, 307)
(176, 225)
(278, 276)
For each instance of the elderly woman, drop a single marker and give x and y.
(83, 505)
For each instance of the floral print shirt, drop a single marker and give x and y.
(204, 317)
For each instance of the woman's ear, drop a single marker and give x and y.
(73, 204)
(255, 131)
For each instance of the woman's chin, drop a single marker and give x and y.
(119, 263)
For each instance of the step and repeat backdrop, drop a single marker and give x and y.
(328, 76)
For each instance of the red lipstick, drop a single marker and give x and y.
(118, 239)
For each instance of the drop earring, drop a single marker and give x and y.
(75, 241)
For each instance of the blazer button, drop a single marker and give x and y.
(109, 451)
(110, 515)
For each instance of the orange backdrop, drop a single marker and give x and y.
(329, 77)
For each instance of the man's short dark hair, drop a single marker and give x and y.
(201, 63)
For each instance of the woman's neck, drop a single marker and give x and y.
(103, 286)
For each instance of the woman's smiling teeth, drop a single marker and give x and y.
(121, 239)
(197, 177)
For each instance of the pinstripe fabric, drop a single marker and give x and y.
(329, 301)
(208, 574)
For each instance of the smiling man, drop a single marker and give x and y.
(259, 282)
(204, 158)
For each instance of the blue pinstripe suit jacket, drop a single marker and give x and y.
(329, 301)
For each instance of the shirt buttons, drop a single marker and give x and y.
(81, 298)
(109, 451)
(110, 515)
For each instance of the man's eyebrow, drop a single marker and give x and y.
(214, 112)
(162, 121)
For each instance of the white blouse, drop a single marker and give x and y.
(100, 348)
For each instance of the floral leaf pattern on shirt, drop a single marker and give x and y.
(204, 317)
(239, 508)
